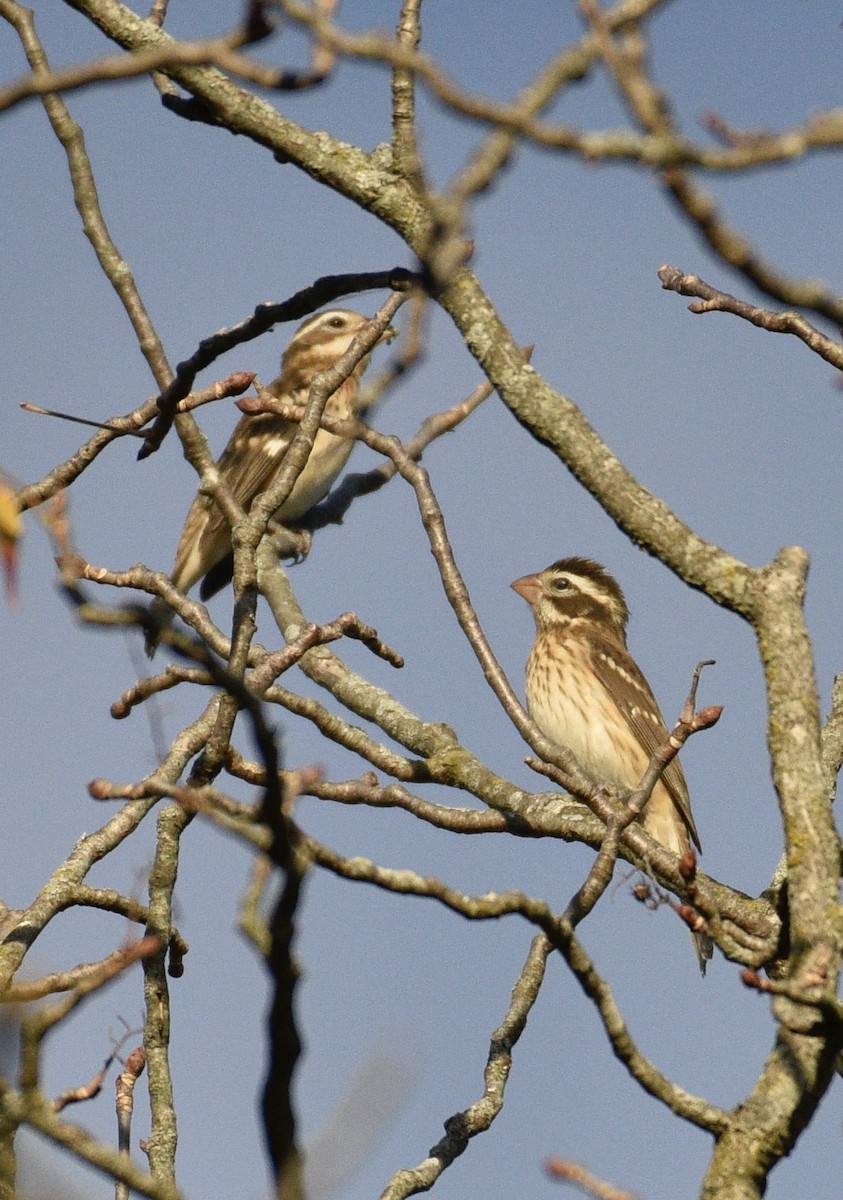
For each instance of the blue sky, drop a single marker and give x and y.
(737, 429)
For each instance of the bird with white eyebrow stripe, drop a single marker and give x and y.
(586, 693)
(256, 450)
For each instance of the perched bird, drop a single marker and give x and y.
(586, 693)
(256, 450)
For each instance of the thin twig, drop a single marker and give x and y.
(712, 300)
(405, 152)
(124, 1104)
(478, 1117)
(573, 1172)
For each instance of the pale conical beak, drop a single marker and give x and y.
(530, 587)
(388, 334)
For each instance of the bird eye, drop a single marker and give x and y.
(560, 584)
(337, 322)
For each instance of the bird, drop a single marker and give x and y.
(586, 693)
(255, 453)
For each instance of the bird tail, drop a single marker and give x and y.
(704, 947)
(160, 619)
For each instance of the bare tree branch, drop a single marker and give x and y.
(787, 322)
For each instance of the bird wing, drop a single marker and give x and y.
(248, 474)
(634, 698)
(205, 538)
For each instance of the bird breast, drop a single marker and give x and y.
(575, 711)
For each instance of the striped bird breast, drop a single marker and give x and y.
(573, 708)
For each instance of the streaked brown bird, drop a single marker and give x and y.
(256, 450)
(586, 693)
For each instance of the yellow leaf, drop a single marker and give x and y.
(10, 531)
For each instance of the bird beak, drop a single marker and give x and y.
(530, 587)
(388, 334)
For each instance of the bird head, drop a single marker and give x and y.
(322, 339)
(575, 589)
